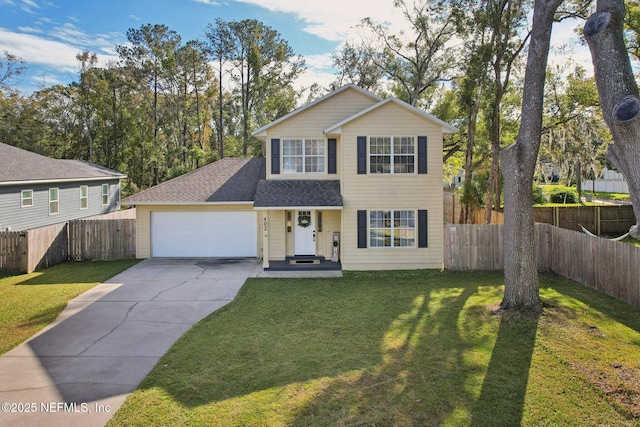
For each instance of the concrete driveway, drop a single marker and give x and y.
(80, 369)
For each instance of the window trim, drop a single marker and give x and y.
(23, 199)
(105, 194)
(324, 156)
(392, 155)
(393, 212)
(55, 201)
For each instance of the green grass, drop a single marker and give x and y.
(29, 302)
(417, 348)
(611, 196)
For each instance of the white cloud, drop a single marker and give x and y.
(30, 30)
(40, 51)
(209, 2)
(333, 19)
(313, 75)
(31, 3)
(319, 62)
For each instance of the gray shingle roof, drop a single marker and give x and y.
(227, 180)
(18, 165)
(298, 193)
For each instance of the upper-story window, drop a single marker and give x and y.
(303, 155)
(105, 194)
(26, 198)
(54, 204)
(84, 197)
(392, 154)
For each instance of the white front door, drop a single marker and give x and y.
(305, 235)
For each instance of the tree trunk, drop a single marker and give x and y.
(220, 111)
(518, 165)
(468, 165)
(618, 93)
(493, 185)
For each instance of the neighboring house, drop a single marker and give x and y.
(36, 190)
(610, 182)
(350, 166)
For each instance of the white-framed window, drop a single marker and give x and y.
(26, 198)
(105, 194)
(392, 154)
(54, 203)
(84, 197)
(303, 155)
(392, 229)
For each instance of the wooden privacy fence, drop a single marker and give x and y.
(452, 210)
(605, 219)
(607, 266)
(13, 249)
(35, 249)
(102, 239)
(38, 248)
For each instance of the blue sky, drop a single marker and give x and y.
(49, 33)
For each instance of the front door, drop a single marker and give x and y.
(305, 234)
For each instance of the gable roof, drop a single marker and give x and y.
(229, 180)
(18, 166)
(446, 127)
(317, 101)
(292, 193)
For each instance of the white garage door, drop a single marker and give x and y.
(203, 234)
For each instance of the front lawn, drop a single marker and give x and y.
(29, 302)
(417, 348)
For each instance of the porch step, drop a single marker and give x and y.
(304, 263)
(304, 260)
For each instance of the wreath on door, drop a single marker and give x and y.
(304, 220)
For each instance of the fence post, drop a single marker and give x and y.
(598, 225)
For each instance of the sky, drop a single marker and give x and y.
(48, 34)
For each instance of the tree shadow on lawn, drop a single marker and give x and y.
(415, 356)
(501, 400)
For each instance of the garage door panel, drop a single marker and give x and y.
(203, 234)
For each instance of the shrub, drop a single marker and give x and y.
(538, 196)
(564, 195)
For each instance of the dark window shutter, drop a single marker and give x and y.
(422, 229)
(362, 229)
(275, 156)
(333, 152)
(422, 154)
(362, 155)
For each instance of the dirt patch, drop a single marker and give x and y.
(621, 384)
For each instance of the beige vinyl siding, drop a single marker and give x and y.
(311, 123)
(277, 234)
(143, 221)
(391, 191)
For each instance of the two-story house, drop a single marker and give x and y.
(36, 190)
(349, 177)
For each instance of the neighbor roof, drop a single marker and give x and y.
(446, 127)
(18, 166)
(226, 181)
(296, 193)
